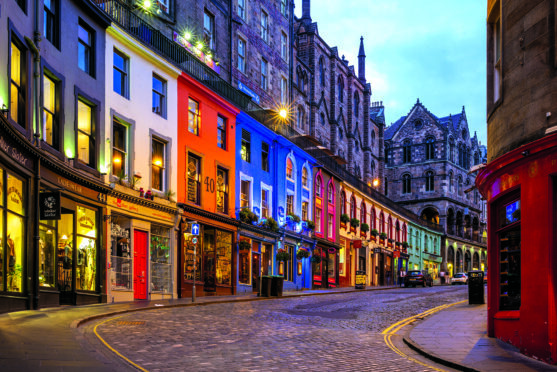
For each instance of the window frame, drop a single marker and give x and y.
(58, 115)
(241, 51)
(94, 105)
(161, 95)
(197, 179)
(209, 37)
(23, 86)
(245, 146)
(222, 132)
(284, 46)
(430, 148)
(126, 167)
(52, 18)
(225, 206)
(125, 73)
(429, 181)
(241, 10)
(264, 24)
(264, 156)
(406, 184)
(91, 48)
(165, 142)
(245, 197)
(264, 70)
(196, 116)
(406, 151)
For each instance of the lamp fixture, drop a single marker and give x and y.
(4, 110)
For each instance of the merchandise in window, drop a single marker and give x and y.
(121, 259)
(86, 244)
(222, 190)
(244, 261)
(161, 260)
(221, 132)
(47, 244)
(11, 252)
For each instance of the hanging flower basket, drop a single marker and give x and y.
(282, 255)
(302, 253)
(315, 259)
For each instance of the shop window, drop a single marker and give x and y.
(51, 108)
(193, 117)
(221, 132)
(305, 211)
(245, 150)
(222, 190)
(85, 48)
(429, 181)
(119, 148)
(266, 259)
(18, 77)
(85, 134)
(47, 244)
(86, 244)
(121, 261)
(245, 193)
(158, 166)
(264, 156)
(194, 179)
(341, 260)
(161, 260)
(120, 81)
(265, 203)
(509, 240)
(159, 96)
(287, 265)
(289, 204)
(245, 261)
(64, 254)
(318, 187)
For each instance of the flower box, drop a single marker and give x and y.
(343, 225)
(352, 229)
(363, 234)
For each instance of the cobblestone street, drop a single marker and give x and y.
(335, 332)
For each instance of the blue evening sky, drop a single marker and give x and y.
(433, 50)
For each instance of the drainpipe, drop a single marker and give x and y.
(34, 47)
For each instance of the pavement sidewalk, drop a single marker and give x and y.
(457, 337)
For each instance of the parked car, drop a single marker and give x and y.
(415, 277)
(459, 278)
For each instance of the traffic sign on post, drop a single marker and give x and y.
(195, 229)
(194, 240)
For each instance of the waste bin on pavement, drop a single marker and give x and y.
(476, 287)
(277, 282)
(265, 286)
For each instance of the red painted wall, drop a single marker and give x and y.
(532, 170)
(205, 145)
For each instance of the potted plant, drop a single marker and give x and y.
(383, 237)
(374, 232)
(364, 229)
(302, 253)
(405, 245)
(344, 219)
(271, 224)
(282, 255)
(293, 217)
(354, 223)
(247, 216)
(310, 225)
(315, 259)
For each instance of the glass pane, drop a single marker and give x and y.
(120, 252)
(86, 221)
(86, 263)
(193, 119)
(84, 35)
(14, 103)
(157, 103)
(509, 245)
(1, 248)
(65, 252)
(49, 94)
(510, 213)
(47, 244)
(118, 163)
(224, 255)
(118, 81)
(119, 61)
(15, 195)
(161, 268)
(119, 136)
(83, 147)
(244, 261)
(48, 127)
(83, 56)
(16, 64)
(83, 117)
(157, 84)
(14, 254)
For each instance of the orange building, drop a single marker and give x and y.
(206, 160)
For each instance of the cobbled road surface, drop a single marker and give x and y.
(336, 332)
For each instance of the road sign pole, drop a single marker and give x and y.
(194, 271)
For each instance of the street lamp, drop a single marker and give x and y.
(375, 182)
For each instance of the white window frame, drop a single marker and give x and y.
(264, 24)
(245, 177)
(284, 46)
(269, 190)
(242, 56)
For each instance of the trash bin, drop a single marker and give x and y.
(360, 279)
(265, 286)
(277, 282)
(476, 287)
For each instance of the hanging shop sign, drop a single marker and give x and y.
(49, 205)
(249, 92)
(357, 244)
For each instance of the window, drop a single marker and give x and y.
(85, 134)
(305, 211)
(372, 138)
(264, 26)
(209, 30)
(194, 179)
(509, 241)
(241, 55)
(407, 151)
(318, 187)
(322, 120)
(429, 181)
(159, 96)
(283, 90)
(284, 46)
(264, 156)
(356, 105)
(451, 182)
(459, 186)
(161, 260)
(193, 117)
(331, 194)
(343, 203)
(244, 261)
(300, 118)
(429, 148)
(386, 186)
(305, 178)
(265, 203)
(460, 155)
(120, 73)
(85, 51)
(288, 272)
(244, 194)
(86, 245)
(451, 152)
(352, 207)
(119, 148)
(318, 220)
(321, 72)
(246, 146)
(372, 218)
(242, 9)
(221, 132)
(283, 8)
(158, 164)
(51, 105)
(264, 67)
(289, 204)
(289, 169)
(331, 226)
(51, 23)
(340, 87)
(496, 62)
(222, 190)
(18, 74)
(363, 215)
(406, 184)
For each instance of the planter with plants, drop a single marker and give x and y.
(383, 237)
(344, 219)
(354, 223)
(374, 234)
(302, 253)
(364, 229)
(271, 224)
(310, 225)
(245, 245)
(293, 218)
(283, 255)
(247, 216)
(404, 245)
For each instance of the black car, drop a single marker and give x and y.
(417, 277)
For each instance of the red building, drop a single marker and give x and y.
(206, 161)
(519, 181)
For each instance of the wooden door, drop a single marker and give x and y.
(140, 243)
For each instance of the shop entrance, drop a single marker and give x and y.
(381, 266)
(255, 270)
(140, 265)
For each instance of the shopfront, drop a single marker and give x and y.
(141, 248)
(326, 272)
(383, 264)
(255, 256)
(345, 264)
(432, 264)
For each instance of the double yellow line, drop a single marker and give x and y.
(394, 328)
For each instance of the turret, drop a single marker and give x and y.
(362, 61)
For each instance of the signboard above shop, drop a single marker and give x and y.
(242, 88)
(49, 205)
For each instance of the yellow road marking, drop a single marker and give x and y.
(394, 328)
(113, 349)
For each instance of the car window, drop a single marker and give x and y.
(413, 273)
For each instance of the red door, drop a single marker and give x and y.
(140, 265)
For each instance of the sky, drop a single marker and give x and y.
(433, 50)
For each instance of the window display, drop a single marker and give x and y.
(244, 260)
(65, 252)
(47, 244)
(224, 255)
(86, 244)
(15, 237)
(161, 262)
(121, 276)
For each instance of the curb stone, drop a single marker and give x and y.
(437, 359)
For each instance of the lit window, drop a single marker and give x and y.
(85, 134)
(305, 178)
(158, 158)
(290, 204)
(18, 83)
(194, 179)
(120, 73)
(51, 129)
(244, 194)
(119, 148)
(289, 169)
(330, 226)
(85, 53)
(245, 151)
(265, 203)
(221, 132)
(159, 96)
(222, 190)
(241, 55)
(209, 30)
(305, 211)
(193, 117)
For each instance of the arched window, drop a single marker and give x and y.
(356, 105)
(318, 187)
(451, 181)
(343, 202)
(429, 148)
(390, 228)
(363, 217)
(404, 234)
(331, 193)
(340, 87)
(397, 228)
(289, 169)
(372, 223)
(460, 155)
(429, 181)
(381, 222)
(322, 119)
(300, 118)
(372, 138)
(352, 207)
(406, 184)
(305, 177)
(406, 151)
(321, 72)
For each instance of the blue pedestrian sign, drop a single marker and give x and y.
(195, 229)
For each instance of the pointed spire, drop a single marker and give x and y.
(361, 53)
(362, 61)
(418, 100)
(463, 111)
(306, 6)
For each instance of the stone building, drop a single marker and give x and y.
(427, 159)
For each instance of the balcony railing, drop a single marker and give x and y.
(122, 14)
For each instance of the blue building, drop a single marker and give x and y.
(273, 177)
